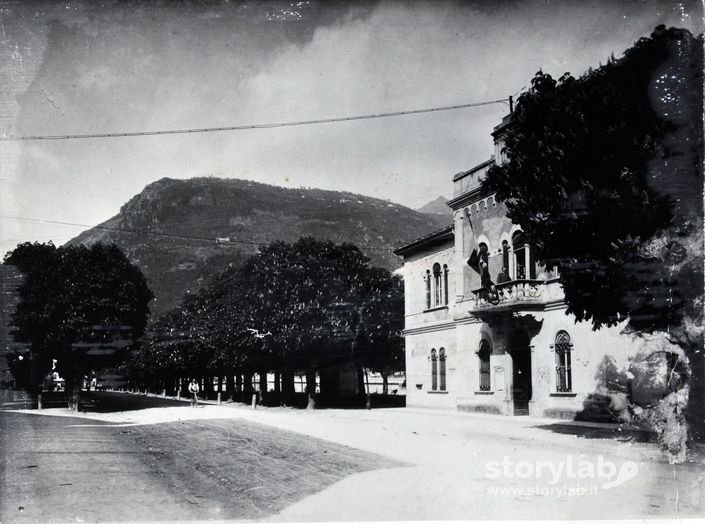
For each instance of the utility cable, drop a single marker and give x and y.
(168, 235)
(245, 127)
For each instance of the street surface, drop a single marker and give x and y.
(63, 468)
(232, 462)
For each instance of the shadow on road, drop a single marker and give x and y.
(109, 402)
(604, 433)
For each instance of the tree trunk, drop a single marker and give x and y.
(68, 388)
(263, 381)
(238, 382)
(207, 387)
(220, 384)
(288, 389)
(311, 388)
(247, 385)
(73, 388)
(361, 382)
(230, 385)
(385, 383)
(262, 384)
(277, 385)
(368, 403)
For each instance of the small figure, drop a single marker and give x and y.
(486, 281)
(503, 276)
(193, 389)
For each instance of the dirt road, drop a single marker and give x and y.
(59, 469)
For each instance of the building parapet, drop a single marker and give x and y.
(470, 180)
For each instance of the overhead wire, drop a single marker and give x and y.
(222, 129)
(168, 235)
(244, 127)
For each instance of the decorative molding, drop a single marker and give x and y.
(430, 328)
(435, 308)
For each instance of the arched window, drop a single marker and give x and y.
(520, 255)
(442, 360)
(437, 285)
(445, 284)
(434, 371)
(427, 278)
(564, 376)
(484, 356)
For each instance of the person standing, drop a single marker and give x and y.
(193, 389)
(486, 281)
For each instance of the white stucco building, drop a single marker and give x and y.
(514, 354)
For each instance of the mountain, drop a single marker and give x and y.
(182, 232)
(436, 207)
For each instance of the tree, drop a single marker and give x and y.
(289, 308)
(604, 174)
(76, 302)
(289, 291)
(379, 341)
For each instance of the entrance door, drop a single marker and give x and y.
(521, 391)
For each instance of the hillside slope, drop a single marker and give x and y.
(181, 232)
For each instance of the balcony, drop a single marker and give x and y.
(521, 292)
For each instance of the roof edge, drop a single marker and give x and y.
(440, 235)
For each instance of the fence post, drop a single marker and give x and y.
(39, 401)
(219, 398)
(254, 401)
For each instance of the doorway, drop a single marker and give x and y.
(521, 364)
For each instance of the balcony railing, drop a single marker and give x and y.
(513, 292)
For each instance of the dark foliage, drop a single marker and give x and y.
(69, 294)
(290, 307)
(595, 178)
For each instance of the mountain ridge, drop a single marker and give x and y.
(181, 232)
(436, 207)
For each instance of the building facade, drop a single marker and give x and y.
(513, 352)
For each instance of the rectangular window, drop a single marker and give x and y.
(442, 359)
(564, 379)
(484, 356)
(485, 374)
(434, 374)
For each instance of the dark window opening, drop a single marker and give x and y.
(445, 284)
(437, 285)
(434, 371)
(442, 359)
(563, 347)
(484, 355)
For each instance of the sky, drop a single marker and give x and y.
(124, 66)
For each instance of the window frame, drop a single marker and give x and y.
(563, 347)
(484, 369)
(437, 294)
(434, 370)
(443, 385)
